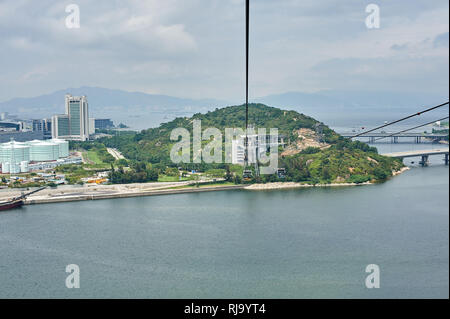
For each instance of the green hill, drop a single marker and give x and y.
(314, 153)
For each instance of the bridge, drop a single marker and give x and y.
(394, 137)
(423, 153)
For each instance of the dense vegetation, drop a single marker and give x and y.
(443, 131)
(343, 161)
(153, 145)
(139, 173)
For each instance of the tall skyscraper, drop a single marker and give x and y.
(74, 124)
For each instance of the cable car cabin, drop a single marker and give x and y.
(247, 175)
(281, 173)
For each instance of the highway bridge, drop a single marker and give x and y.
(421, 153)
(394, 138)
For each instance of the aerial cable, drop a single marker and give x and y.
(402, 119)
(412, 128)
(247, 26)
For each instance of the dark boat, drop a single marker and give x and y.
(17, 202)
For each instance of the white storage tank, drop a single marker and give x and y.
(5, 168)
(8, 168)
(24, 167)
(14, 168)
(63, 147)
(43, 151)
(14, 152)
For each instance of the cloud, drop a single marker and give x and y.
(195, 48)
(441, 41)
(399, 47)
(405, 74)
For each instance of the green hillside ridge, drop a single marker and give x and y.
(342, 161)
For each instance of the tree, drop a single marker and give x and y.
(228, 174)
(326, 174)
(122, 162)
(380, 174)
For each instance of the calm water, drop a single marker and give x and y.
(240, 244)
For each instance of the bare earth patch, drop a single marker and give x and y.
(307, 138)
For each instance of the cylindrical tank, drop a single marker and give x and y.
(42, 151)
(14, 168)
(63, 147)
(14, 152)
(5, 167)
(24, 167)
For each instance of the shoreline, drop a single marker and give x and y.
(287, 185)
(99, 192)
(100, 196)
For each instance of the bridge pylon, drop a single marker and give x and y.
(424, 161)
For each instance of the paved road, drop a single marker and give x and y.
(117, 155)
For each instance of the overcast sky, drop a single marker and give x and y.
(195, 48)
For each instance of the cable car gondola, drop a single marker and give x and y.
(247, 175)
(281, 173)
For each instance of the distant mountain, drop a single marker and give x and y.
(300, 99)
(140, 110)
(116, 104)
(353, 99)
(358, 108)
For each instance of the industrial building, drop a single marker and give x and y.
(103, 124)
(9, 126)
(17, 157)
(43, 125)
(20, 136)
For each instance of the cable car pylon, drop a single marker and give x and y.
(247, 173)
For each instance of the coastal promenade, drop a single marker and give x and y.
(97, 192)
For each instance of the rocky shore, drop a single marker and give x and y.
(282, 185)
(403, 169)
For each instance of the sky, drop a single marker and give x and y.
(196, 48)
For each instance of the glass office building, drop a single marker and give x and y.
(74, 124)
